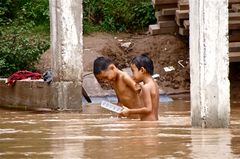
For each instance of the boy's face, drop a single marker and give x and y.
(106, 75)
(137, 74)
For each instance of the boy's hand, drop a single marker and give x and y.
(138, 87)
(124, 112)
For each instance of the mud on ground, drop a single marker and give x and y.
(165, 50)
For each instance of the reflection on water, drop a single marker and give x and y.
(96, 133)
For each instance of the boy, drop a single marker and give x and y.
(142, 68)
(125, 87)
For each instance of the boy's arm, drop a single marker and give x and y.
(131, 83)
(118, 101)
(144, 110)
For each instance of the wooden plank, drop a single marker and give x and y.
(183, 6)
(234, 16)
(164, 6)
(234, 2)
(164, 2)
(234, 56)
(234, 47)
(169, 11)
(154, 29)
(182, 14)
(161, 17)
(164, 24)
(183, 31)
(179, 21)
(186, 24)
(234, 35)
(236, 7)
(168, 30)
(183, 1)
(234, 25)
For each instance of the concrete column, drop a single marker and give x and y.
(209, 63)
(66, 48)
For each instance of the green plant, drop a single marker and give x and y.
(19, 50)
(5, 11)
(143, 15)
(121, 15)
(36, 11)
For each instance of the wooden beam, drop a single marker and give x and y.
(179, 21)
(183, 6)
(183, 31)
(169, 11)
(236, 7)
(234, 35)
(234, 16)
(186, 24)
(182, 14)
(164, 24)
(234, 2)
(154, 29)
(234, 56)
(234, 25)
(234, 47)
(168, 30)
(165, 1)
(164, 6)
(161, 17)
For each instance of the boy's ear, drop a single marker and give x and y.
(111, 66)
(142, 69)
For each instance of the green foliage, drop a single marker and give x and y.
(4, 11)
(143, 15)
(36, 11)
(121, 15)
(24, 26)
(24, 34)
(24, 12)
(19, 50)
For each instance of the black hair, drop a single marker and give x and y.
(101, 64)
(143, 61)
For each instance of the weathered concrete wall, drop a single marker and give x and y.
(66, 48)
(210, 94)
(65, 92)
(26, 95)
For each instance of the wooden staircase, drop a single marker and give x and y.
(173, 17)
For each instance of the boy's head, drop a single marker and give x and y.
(142, 63)
(103, 68)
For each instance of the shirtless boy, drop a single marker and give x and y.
(142, 68)
(125, 87)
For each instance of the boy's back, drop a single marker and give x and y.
(142, 68)
(153, 89)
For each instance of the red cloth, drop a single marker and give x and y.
(23, 74)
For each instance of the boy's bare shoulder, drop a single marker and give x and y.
(150, 86)
(125, 75)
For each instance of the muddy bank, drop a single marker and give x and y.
(165, 50)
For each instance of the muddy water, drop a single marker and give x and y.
(96, 133)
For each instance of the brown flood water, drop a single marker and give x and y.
(96, 133)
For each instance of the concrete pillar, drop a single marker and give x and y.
(210, 95)
(66, 48)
